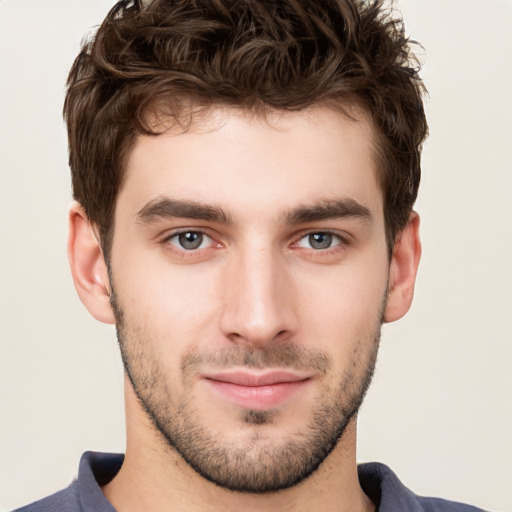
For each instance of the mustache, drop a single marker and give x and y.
(277, 356)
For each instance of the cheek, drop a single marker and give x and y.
(171, 304)
(343, 306)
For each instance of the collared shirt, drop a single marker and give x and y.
(97, 469)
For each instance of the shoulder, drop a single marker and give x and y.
(440, 505)
(385, 489)
(67, 500)
(84, 494)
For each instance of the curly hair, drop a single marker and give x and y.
(172, 57)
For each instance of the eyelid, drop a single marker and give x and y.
(178, 231)
(185, 229)
(343, 236)
(336, 240)
(331, 254)
(344, 239)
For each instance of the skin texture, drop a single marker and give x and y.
(284, 268)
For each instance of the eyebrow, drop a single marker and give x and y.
(163, 208)
(329, 209)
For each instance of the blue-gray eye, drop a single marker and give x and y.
(190, 240)
(319, 240)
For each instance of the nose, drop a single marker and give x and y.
(258, 308)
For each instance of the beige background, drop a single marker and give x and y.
(440, 410)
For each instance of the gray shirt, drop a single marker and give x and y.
(97, 469)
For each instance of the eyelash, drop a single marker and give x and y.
(342, 242)
(183, 252)
(333, 238)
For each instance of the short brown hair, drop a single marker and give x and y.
(169, 55)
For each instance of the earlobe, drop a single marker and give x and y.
(403, 269)
(88, 266)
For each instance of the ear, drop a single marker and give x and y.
(403, 268)
(88, 266)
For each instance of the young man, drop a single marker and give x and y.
(244, 175)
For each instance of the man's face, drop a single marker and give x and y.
(249, 273)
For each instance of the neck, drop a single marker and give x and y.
(154, 477)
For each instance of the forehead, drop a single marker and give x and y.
(254, 164)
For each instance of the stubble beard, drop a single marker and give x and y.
(257, 467)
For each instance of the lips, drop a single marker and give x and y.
(258, 391)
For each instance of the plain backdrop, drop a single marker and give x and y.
(440, 409)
